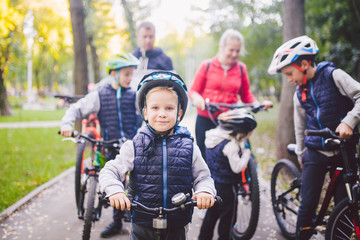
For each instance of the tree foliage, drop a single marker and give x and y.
(335, 25)
(11, 17)
(260, 23)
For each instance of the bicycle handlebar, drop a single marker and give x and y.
(214, 107)
(326, 133)
(156, 210)
(183, 206)
(69, 99)
(112, 142)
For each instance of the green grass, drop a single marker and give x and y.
(20, 115)
(263, 139)
(30, 157)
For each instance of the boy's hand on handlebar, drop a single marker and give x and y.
(204, 200)
(120, 201)
(344, 130)
(66, 131)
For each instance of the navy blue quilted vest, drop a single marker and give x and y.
(162, 168)
(111, 126)
(219, 165)
(324, 105)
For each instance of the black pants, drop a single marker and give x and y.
(224, 213)
(315, 166)
(202, 125)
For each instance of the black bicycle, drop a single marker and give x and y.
(247, 205)
(343, 222)
(181, 201)
(90, 159)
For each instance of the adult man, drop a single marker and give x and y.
(151, 58)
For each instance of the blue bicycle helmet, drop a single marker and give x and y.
(166, 79)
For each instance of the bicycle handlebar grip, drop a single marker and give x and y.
(326, 132)
(218, 200)
(73, 134)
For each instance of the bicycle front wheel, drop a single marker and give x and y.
(285, 196)
(341, 224)
(85, 152)
(247, 205)
(90, 210)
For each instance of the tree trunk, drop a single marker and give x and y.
(5, 108)
(79, 36)
(94, 60)
(131, 23)
(294, 26)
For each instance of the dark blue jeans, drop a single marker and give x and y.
(202, 125)
(315, 166)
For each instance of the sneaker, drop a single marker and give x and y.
(111, 230)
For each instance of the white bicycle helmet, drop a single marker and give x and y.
(237, 120)
(290, 51)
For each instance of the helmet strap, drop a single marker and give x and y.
(304, 89)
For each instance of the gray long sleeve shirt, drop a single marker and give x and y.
(348, 87)
(114, 172)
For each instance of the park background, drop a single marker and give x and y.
(50, 47)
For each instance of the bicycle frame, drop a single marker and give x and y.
(181, 202)
(347, 174)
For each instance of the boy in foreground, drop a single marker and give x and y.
(162, 160)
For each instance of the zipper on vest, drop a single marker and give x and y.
(118, 97)
(164, 162)
(317, 112)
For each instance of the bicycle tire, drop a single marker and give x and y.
(246, 217)
(283, 176)
(340, 224)
(90, 209)
(83, 150)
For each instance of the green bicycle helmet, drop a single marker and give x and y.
(120, 61)
(162, 78)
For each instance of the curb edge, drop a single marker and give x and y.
(13, 208)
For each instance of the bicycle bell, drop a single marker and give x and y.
(179, 198)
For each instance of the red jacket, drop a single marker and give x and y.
(220, 86)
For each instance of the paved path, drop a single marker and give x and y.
(30, 124)
(51, 214)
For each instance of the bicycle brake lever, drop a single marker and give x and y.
(69, 139)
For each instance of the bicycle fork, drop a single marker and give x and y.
(352, 192)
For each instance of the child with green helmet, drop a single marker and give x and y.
(162, 159)
(113, 102)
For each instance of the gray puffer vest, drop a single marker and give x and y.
(162, 168)
(117, 118)
(325, 106)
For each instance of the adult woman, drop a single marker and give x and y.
(221, 79)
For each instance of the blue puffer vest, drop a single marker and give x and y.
(162, 168)
(324, 105)
(109, 117)
(219, 165)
